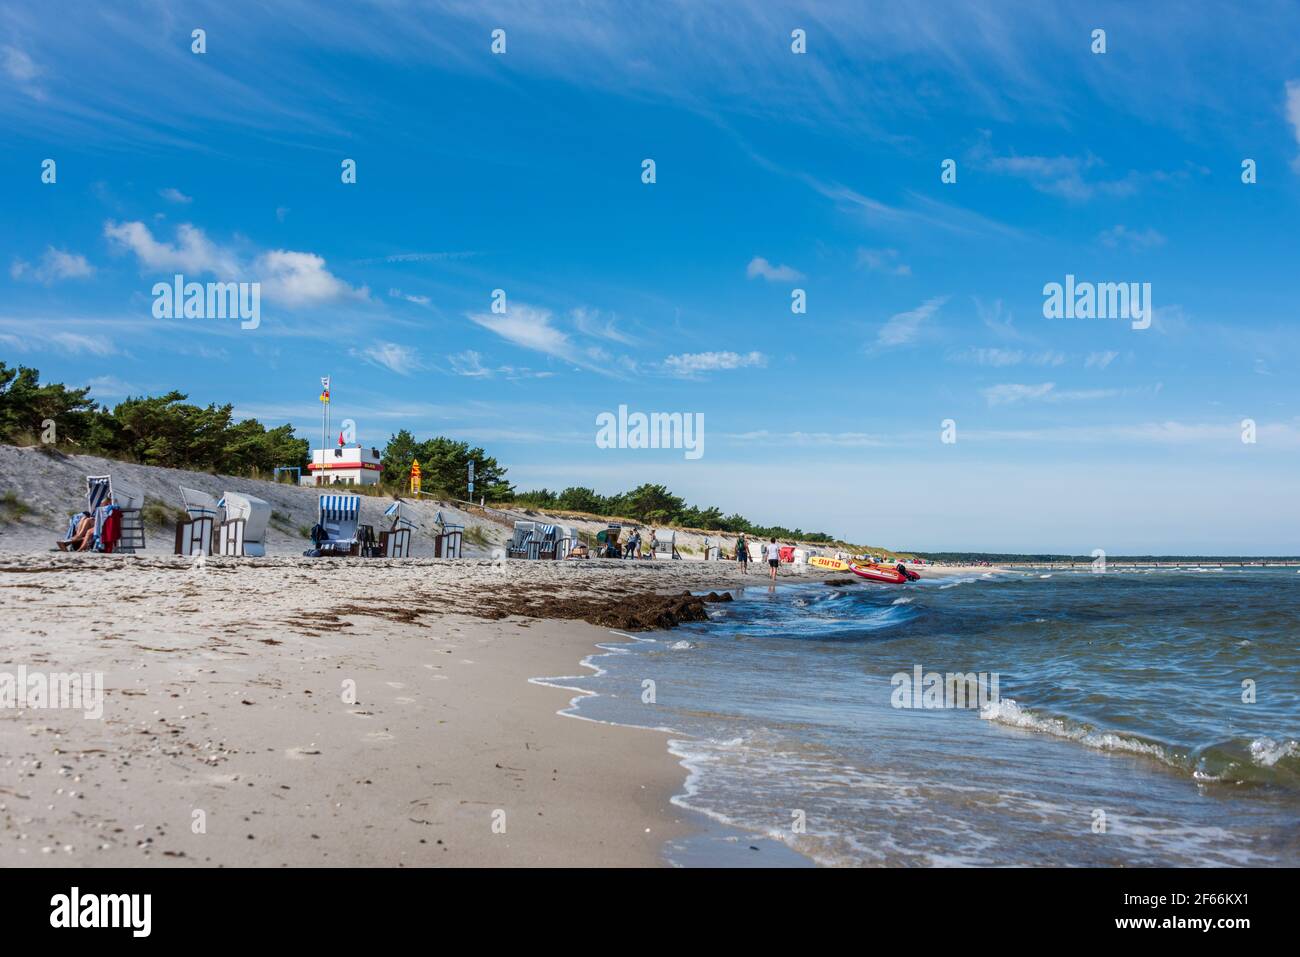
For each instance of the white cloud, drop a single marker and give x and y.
(593, 323)
(409, 297)
(56, 264)
(1293, 115)
(1000, 358)
(823, 439)
(288, 277)
(530, 328)
(192, 252)
(468, 363)
(301, 279)
(695, 363)
(883, 260)
(389, 355)
(174, 195)
(111, 387)
(760, 267)
(903, 328)
(72, 343)
(1135, 240)
(1012, 393)
(1099, 360)
(23, 71)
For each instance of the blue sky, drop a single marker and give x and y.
(775, 171)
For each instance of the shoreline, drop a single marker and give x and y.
(308, 712)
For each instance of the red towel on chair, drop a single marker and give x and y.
(112, 530)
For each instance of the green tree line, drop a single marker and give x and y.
(169, 432)
(158, 430)
(655, 505)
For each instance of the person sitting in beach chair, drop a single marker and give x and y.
(607, 542)
(105, 513)
(80, 536)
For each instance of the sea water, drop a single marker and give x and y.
(1142, 718)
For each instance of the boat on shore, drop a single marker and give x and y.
(898, 575)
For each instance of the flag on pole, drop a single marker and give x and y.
(324, 388)
(415, 477)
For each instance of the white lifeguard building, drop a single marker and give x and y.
(343, 465)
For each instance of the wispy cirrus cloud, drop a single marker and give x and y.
(1136, 240)
(1292, 108)
(691, 364)
(1100, 360)
(1012, 393)
(883, 260)
(69, 343)
(594, 323)
(532, 327)
(174, 195)
(392, 356)
(1001, 358)
(903, 328)
(23, 72)
(409, 297)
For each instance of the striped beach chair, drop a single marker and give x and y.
(100, 492)
(525, 542)
(336, 529)
(548, 541)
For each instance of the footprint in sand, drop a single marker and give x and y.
(299, 753)
(405, 700)
(359, 713)
(379, 736)
(395, 684)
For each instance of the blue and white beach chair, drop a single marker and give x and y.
(525, 543)
(336, 531)
(99, 493)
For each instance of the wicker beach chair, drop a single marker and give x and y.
(244, 530)
(204, 515)
(336, 528)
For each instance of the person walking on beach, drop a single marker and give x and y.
(742, 555)
(773, 557)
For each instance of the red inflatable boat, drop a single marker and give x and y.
(887, 576)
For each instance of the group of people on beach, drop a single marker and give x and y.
(771, 551)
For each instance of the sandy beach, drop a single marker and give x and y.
(227, 736)
(297, 711)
